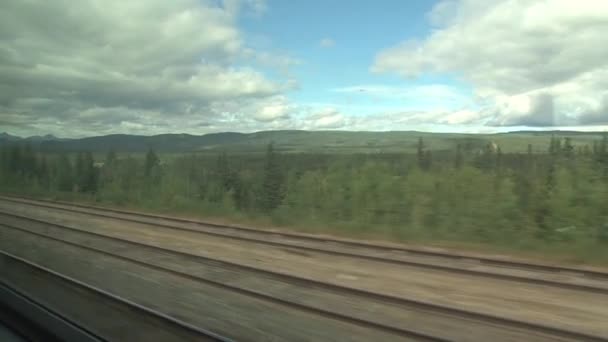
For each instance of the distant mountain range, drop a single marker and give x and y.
(36, 138)
(297, 141)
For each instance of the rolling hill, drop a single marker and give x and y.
(301, 141)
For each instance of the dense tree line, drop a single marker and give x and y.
(558, 196)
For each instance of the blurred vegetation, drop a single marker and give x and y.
(551, 199)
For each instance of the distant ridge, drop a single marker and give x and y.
(8, 137)
(297, 141)
(48, 137)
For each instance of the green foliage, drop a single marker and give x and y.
(151, 163)
(272, 190)
(472, 192)
(64, 174)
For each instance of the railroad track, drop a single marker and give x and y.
(542, 274)
(463, 322)
(77, 328)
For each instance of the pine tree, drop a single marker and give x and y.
(152, 161)
(458, 159)
(499, 158)
(79, 171)
(428, 160)
(568, 148)
(602, 154)
(542, 210)
(42, 172)
(602, 150)
(223, 172)
(89, 176)
(108, 169)
(555, 145)
(64, 173)
(110, 158)
(272, 186)
(4, 167)
(420, 153)
(28, 161)
(595, 149)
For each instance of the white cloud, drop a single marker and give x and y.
(234, 7)
(327, 43)
(277, 108)
(522, 57)
(327, 118)
(147, 65)
(432, 92)
(281, 62)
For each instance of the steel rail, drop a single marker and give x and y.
(412, 303)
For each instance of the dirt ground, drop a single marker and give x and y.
(571, 309)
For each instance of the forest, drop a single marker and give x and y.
(552, 202)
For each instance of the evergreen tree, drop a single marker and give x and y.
(428, 160)
(602, 150)
(108, 169)
(28, 161)
(558, 145)
(602, 154)
(568, 148)
(272, 186)
(4, 170)
(420, 153)
(152, 161)
(110, 158)
(586, 151)
(64, 173)
(42, 172)
(458, 158)
(555, 145)
(595, 149)
(79, 171)
(89, 174)
(14, 160)
(499, 158)
(543, 209)
(486, 160)
(224, 173)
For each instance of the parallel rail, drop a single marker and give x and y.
(440, 310)
(248, 292)
(68, 330)
(224, 231)
(35, 322)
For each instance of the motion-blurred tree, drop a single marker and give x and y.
(151, 162)
(273, 182)
(64, 173)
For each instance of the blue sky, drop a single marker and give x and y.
(338, 42)
(201, 66)
(357, 30)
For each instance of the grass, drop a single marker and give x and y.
(577, 253)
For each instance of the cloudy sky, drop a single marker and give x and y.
(93, 67)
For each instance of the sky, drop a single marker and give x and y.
(97, 67)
